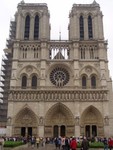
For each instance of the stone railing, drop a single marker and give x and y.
(58, 95)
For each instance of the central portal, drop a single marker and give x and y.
(59, 131)
(59, 121)
(91, 130)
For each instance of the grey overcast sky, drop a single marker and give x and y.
(59, 19)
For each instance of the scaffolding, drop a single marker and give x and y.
(5, 75)
(4, 87)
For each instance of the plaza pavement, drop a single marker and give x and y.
(46, 147)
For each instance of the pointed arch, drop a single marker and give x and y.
(59, 121)
(26, 117)
(27, 27)
(84, 81)
(34, 81)
(91, 122)
(90, 27)
(91, 114)
(28, 69)
(81, 27)
(24, 81)
(36, 27)
(25, 122)
(93, 81)
(58, 111)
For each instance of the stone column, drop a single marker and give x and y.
(22, 27)
(100, 26)
(26, 131)
(77, 126)
(59, 127)
(75, 28)
(90, 130)
(95, 27)
(18, 28)
(76, 64)
(41, 131)
(75, 54)
(14, 64)
(31, 36)
(44, 26)
(85, 28)
(43, 63)
(9, 131)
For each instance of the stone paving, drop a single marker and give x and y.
(46, 147)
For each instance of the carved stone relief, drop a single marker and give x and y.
(29, 69)
(41, 120)
(106, 120)
(77, 118)
(88, 69)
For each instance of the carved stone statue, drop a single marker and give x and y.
(106, 120)
(41, 120)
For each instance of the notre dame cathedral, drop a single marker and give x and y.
(56, 87)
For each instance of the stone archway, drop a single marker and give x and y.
(25, 123)
(59, 121)
(91, 122)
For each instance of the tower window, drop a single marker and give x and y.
(24, 82)
(84, 82)
(81, 25)
(36, 27)
(91, 51)
(35, 52)
(25, 53)
(93, 82)
(82, 53)
(34, 82)
(90, 31)
(27, 27)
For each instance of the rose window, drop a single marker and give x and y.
(59, 76)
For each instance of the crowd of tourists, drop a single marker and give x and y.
(65, 143)
(61, 143)
(72, 143)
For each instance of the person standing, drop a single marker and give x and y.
(73, 144)
(37, 142)
(33, 141)
(1, 143)
(105, 141)
(63, 143)
(110, 143)
(59, 142)
(85, 144)
(56, 142)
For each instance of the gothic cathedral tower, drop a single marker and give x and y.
(58, 87)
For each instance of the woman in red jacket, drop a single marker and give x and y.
(110, 143)
(73, 144)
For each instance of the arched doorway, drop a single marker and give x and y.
(91, 122)
(63, 130)
(25, 123)
(59, 121)
(56, 131)
(91, 130)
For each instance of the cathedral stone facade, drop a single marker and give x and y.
(58, 87)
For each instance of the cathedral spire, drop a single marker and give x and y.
(59, 35)
(22, 2)
(95, 3)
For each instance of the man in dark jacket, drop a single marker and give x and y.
(85, 144)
